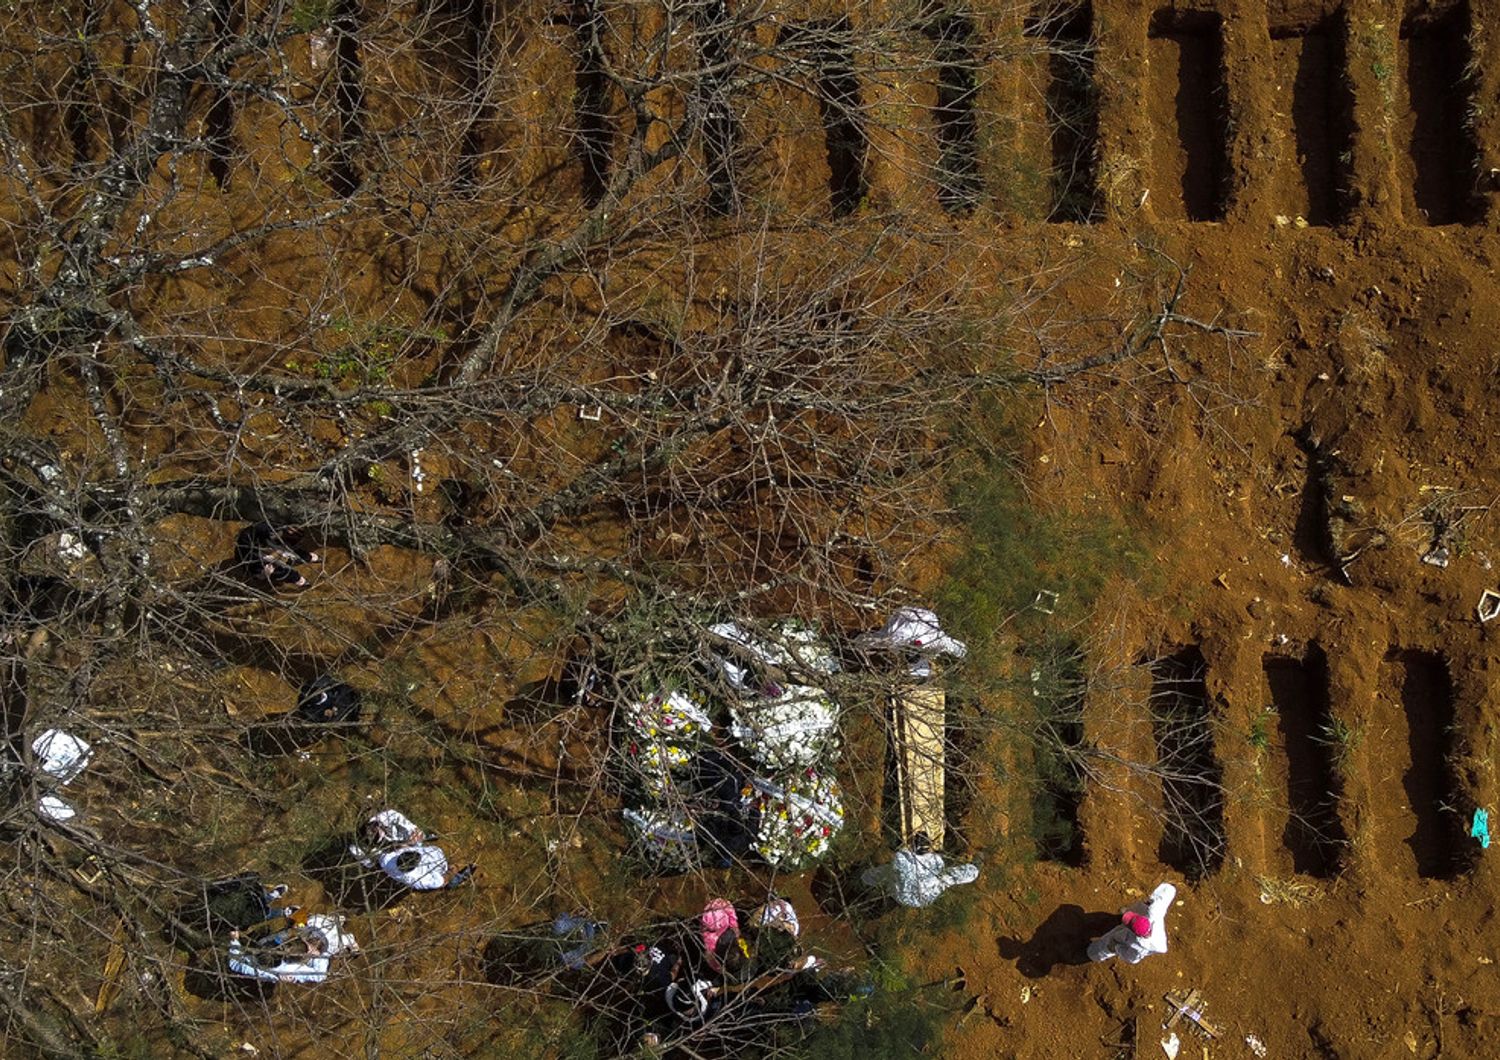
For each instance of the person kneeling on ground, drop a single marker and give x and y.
(732, 1009)
(384, 831)
(304, 960)
(267, 552)
(286, 952)
(1141, 932)
(774, 933)
(399, 847)
(779, 959)
(424, 868)
(324, 702)
(918, 875)
(808, 984)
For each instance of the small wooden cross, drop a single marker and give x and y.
(1190, 1005)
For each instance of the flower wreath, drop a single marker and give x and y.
(663, 731)
(797, 729)
(665, 837)
(798, 819)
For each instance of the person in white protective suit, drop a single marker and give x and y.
(302, 957)
(390, 839)
(917, 632)
(1141, 932)
(918, 875)
(384, 831)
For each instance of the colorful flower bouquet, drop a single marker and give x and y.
(662, 731)
(798, 818)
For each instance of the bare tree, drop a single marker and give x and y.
(561, 328)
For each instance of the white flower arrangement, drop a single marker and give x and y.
(666, 837)
(798, 819)
(797, 729)
(791, 731)
(807, 648)
(796, 646)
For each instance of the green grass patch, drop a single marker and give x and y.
(368, 353)
(1261, 727)
(887, 1024)
(1011, 550)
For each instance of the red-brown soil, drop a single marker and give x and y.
(1275, 163)
(1323, 173)
(1354, 246)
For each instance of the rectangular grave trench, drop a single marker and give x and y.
(963, 755)
(843, 123)
(1444, 154)
(345, 172)
(1058, 688)
(463, 32)
(592, 113)
(1314, 834)
(1193, 840)
(1071, 98)
(1315, 101)
(827, 49)
(1187, 101)
(714, 31)
(1429, 787)
(955, 51)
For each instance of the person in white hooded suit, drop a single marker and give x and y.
(1141, 932)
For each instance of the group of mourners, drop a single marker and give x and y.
(272, 942)
(750, 775)
(738, 962)
(744, 965)
(728, 970)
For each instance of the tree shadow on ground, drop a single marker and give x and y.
(538, 702)
(208, 977)
(284, 734)
(531, 956)
(348, 883)
(290, 733)
(525, 753)
(843, 895)
(1062, 938)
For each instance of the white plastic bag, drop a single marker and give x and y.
(61, 755)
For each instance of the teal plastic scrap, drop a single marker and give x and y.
(1480, 829)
